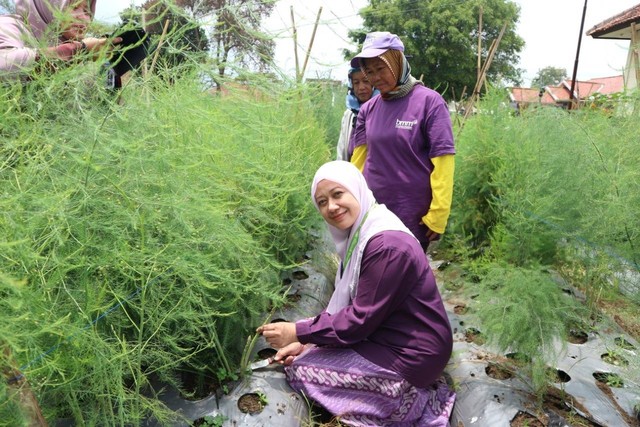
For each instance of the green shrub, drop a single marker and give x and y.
(141, 225)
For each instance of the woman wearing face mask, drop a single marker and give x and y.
(359, 92)
(46, 30)
(375, 356)
(404, 140)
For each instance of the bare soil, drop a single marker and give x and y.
(251, 403)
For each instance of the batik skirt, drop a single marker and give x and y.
(360, 393)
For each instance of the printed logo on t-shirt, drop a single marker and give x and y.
(405, 124)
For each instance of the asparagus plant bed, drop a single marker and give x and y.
(143, 236)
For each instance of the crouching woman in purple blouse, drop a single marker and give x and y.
(376, 355)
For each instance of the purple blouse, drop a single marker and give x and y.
(397, 319)
(402, 136)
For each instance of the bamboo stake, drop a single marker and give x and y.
(313, 36)
(295, 45)
(160, 42)
(479, 67)
(485, 67)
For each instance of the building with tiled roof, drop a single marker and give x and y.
(624, 26)
(560, 96)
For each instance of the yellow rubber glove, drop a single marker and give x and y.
(359, 156)
(442, 192)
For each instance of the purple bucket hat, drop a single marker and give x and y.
(377, 43)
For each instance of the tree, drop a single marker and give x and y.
(236, 31)
(183, 45)
(185, 41)
(549, 76)
(441, 37)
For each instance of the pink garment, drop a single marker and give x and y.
(379, 219)
(14, 53)
(21, 33)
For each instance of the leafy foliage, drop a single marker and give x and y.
(524, 311)
(541, 192)
(142, 228)
(516, 194)
(441, 36)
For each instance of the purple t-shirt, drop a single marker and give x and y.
(402, 135)
(397, 319)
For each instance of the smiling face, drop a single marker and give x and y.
(336, 204)
(380, 75)
(362, 88)
(77, 18)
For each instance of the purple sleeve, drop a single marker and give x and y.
(378, 295)
(438, 128)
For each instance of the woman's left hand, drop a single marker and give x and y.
(432, 235)
(279, 334)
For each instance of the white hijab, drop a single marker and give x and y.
(379, 219)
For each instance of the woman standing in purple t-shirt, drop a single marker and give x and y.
(404, 140)
(376, 355)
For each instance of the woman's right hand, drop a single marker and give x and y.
(288, 353)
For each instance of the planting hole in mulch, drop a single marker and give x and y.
(523, 419)
(300, 275)
(613, 358)
(623, 343)
(460, 309)
(208, 421)
(266, 353)
(286, 281)
(578, 337)
(251, 403)
(473, 335)
(564, 405)
(498, 372)
(293, 298)
(558, 375)
(609, 378)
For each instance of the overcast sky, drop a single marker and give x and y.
(550, 29)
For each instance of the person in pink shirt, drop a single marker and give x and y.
(376, 355)
(403, 140)
(43, 30)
